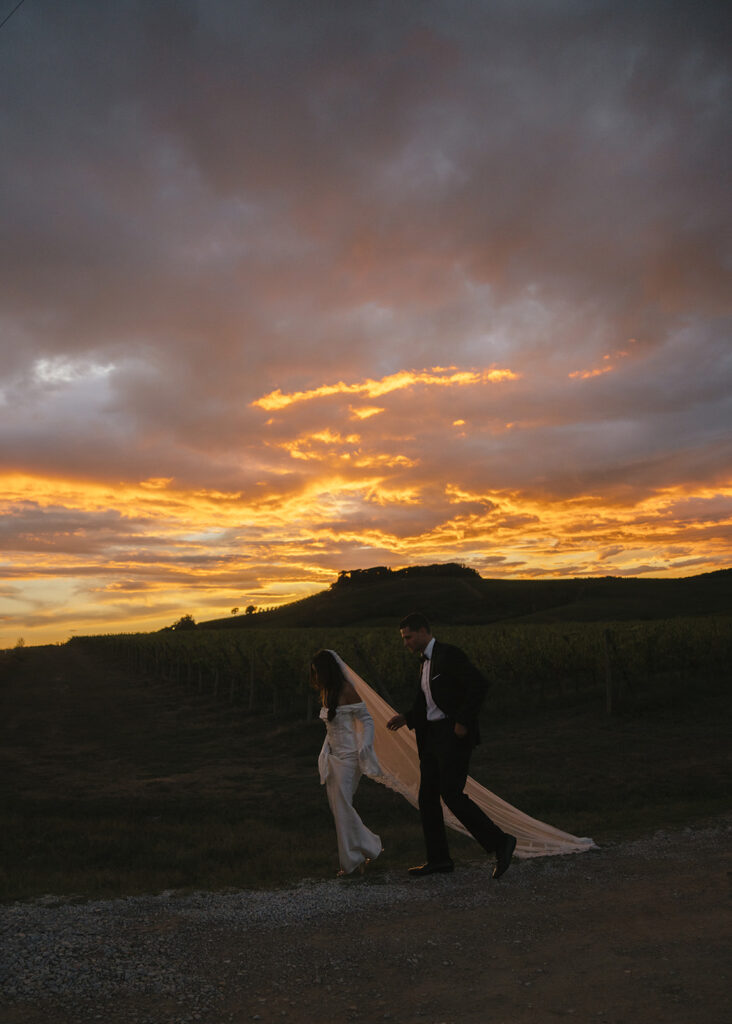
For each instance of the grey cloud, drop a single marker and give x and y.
(561, 146)
(30, 527)
(688, 563)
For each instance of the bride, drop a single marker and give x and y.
(347, 754)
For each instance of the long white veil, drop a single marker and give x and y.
(397, 755)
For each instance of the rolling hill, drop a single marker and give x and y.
(457, 595)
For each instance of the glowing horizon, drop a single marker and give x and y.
(137, 580)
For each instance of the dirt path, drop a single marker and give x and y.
(639, 932)
(636, 934)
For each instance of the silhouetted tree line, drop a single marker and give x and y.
(379, 573)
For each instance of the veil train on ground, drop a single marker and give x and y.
(397, 755)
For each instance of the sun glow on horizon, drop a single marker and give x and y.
(92, 555)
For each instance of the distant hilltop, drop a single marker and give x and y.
(455, 594)
(379, 573)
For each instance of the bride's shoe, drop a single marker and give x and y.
(361, 869)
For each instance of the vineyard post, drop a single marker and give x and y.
(609, 689)
(251, 678)
(377, 681)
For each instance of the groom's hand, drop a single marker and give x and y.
(396, 722)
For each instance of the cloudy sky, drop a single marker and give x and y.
(288, 288)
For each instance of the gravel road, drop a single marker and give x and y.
(635, 932)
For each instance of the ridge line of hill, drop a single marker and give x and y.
(457, 595)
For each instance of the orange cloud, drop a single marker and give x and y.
(437, 377)
(327, 446)
(366, 412)
(586, 374)
(619, 354)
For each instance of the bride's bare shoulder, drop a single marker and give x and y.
(348, 694)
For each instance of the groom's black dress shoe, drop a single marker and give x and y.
(503, 855)
(441, 866)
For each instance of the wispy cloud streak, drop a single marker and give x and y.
(437, 377)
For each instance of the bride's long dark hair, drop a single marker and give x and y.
(327, 678)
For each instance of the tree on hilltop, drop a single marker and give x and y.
(185, 622)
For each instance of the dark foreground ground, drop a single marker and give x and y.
(104, 776)
(634, 932)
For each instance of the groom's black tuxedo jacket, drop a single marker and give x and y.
(458, 689)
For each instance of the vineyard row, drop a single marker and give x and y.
(529, 666)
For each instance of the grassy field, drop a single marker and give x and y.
(113, 784)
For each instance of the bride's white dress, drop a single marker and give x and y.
(346, 755)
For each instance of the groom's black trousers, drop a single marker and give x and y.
(444, 760)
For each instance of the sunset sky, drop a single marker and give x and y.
(288, 288)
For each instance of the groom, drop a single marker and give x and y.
(444, 716)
